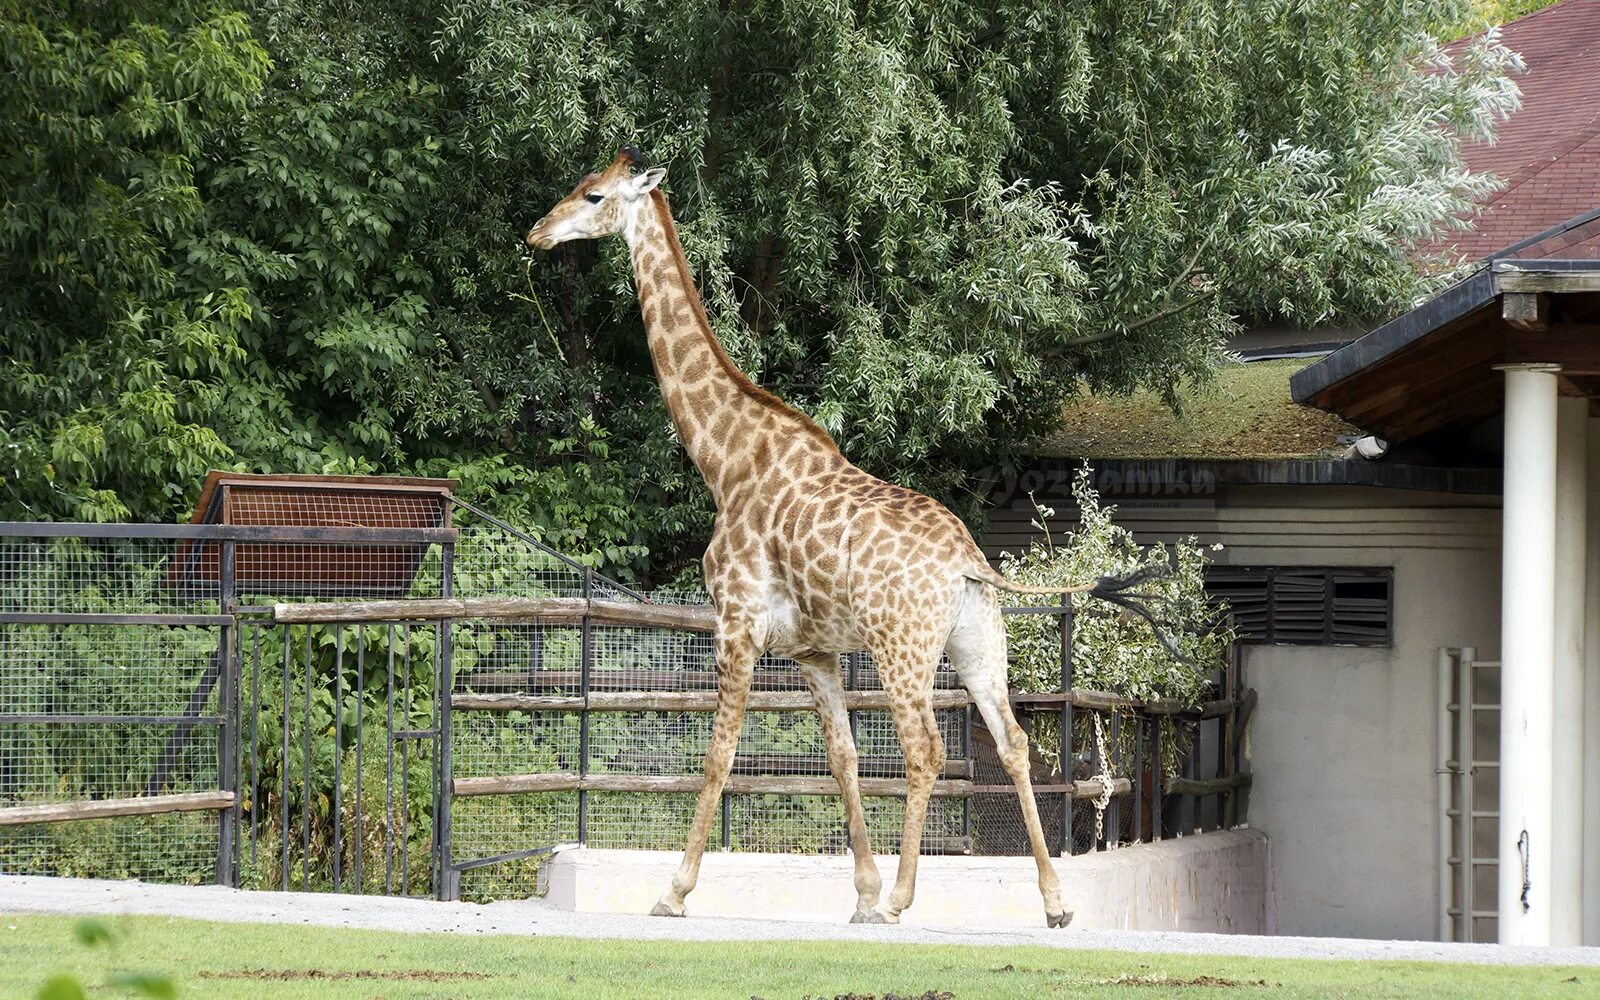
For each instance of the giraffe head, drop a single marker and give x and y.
(600, 204)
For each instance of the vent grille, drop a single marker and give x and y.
(1301, 606)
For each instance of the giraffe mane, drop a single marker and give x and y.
(743, 381)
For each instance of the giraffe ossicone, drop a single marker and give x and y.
(810, 558)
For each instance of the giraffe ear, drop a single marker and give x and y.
(647, 181)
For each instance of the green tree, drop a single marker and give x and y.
(114, 360)
(927, 224)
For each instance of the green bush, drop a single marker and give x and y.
(1111, 650)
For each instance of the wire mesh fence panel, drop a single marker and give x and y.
(61, 670)
(630, 659)
(491, 744)
(102, 715)
(649, 743)
(124, 576)
(489, 826)
(176, 848)
(490, 562)
(814, 824)
(513, 658)
(646, 822)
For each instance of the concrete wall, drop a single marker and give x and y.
(1343, 742)
(1212, 882)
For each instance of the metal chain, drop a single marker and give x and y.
(1524, 849)
(1102, 800)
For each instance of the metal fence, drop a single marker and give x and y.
(431, 710)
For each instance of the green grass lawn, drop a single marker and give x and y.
(277, 962)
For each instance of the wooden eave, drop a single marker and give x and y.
(1436, 366)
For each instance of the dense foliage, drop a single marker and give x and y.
(1113, 650)
(287, 236)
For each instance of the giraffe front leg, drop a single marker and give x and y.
(736, 657)
(827, 689)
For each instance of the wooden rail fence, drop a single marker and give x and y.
(702, 619)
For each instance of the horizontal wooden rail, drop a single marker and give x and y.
(629, 678)
(273, 533)
(144, 805)
(570, 781)
(679, 701)
(800, 701)
(540, 610)
(814, 764)
(1089, 789)
(1208, 786)
(1105, 701)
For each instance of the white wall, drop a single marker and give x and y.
(1343, 742)
(1214, 882)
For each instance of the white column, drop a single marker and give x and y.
(1566, 833)
(1527, 644)
(1591, 704)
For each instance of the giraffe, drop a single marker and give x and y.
(811, 557)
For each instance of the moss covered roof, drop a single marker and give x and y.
(1246, 413)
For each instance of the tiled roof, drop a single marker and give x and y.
(1548, 153)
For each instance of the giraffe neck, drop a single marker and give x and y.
(723, 418)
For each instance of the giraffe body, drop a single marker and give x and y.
(810, 558)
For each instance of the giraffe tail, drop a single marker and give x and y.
(1116, 590)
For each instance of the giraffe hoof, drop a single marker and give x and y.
(862, 917)
(663, 910)
(877, 917)
(1058, 919)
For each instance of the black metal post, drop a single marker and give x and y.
(338, 752)
(255, 739)
(449, 888)
(1229, 736)
(1138, 777)
(586, 653)
(228, 732)
(1155, 778)
(1114, 809)
(972, 776)
(1187, 801)
(283, 769)
(1066, 725)
(361, 691)
(405, 765)
(305, 787)
(388, 777)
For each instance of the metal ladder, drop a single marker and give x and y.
(1462, 854)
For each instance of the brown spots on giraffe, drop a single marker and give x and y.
(812, 557)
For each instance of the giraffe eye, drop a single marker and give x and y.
(594, 199)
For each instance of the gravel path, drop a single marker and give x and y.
(31, 895)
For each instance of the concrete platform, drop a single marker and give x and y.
(1216, 882)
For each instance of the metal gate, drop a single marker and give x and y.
(1469, 795)
(341, 762)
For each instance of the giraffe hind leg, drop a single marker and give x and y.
(977, 650)
(907, 669)
(827, 689)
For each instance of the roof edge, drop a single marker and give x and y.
(1465, 296)
(1177, 478)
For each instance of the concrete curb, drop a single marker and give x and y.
(37, 895)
